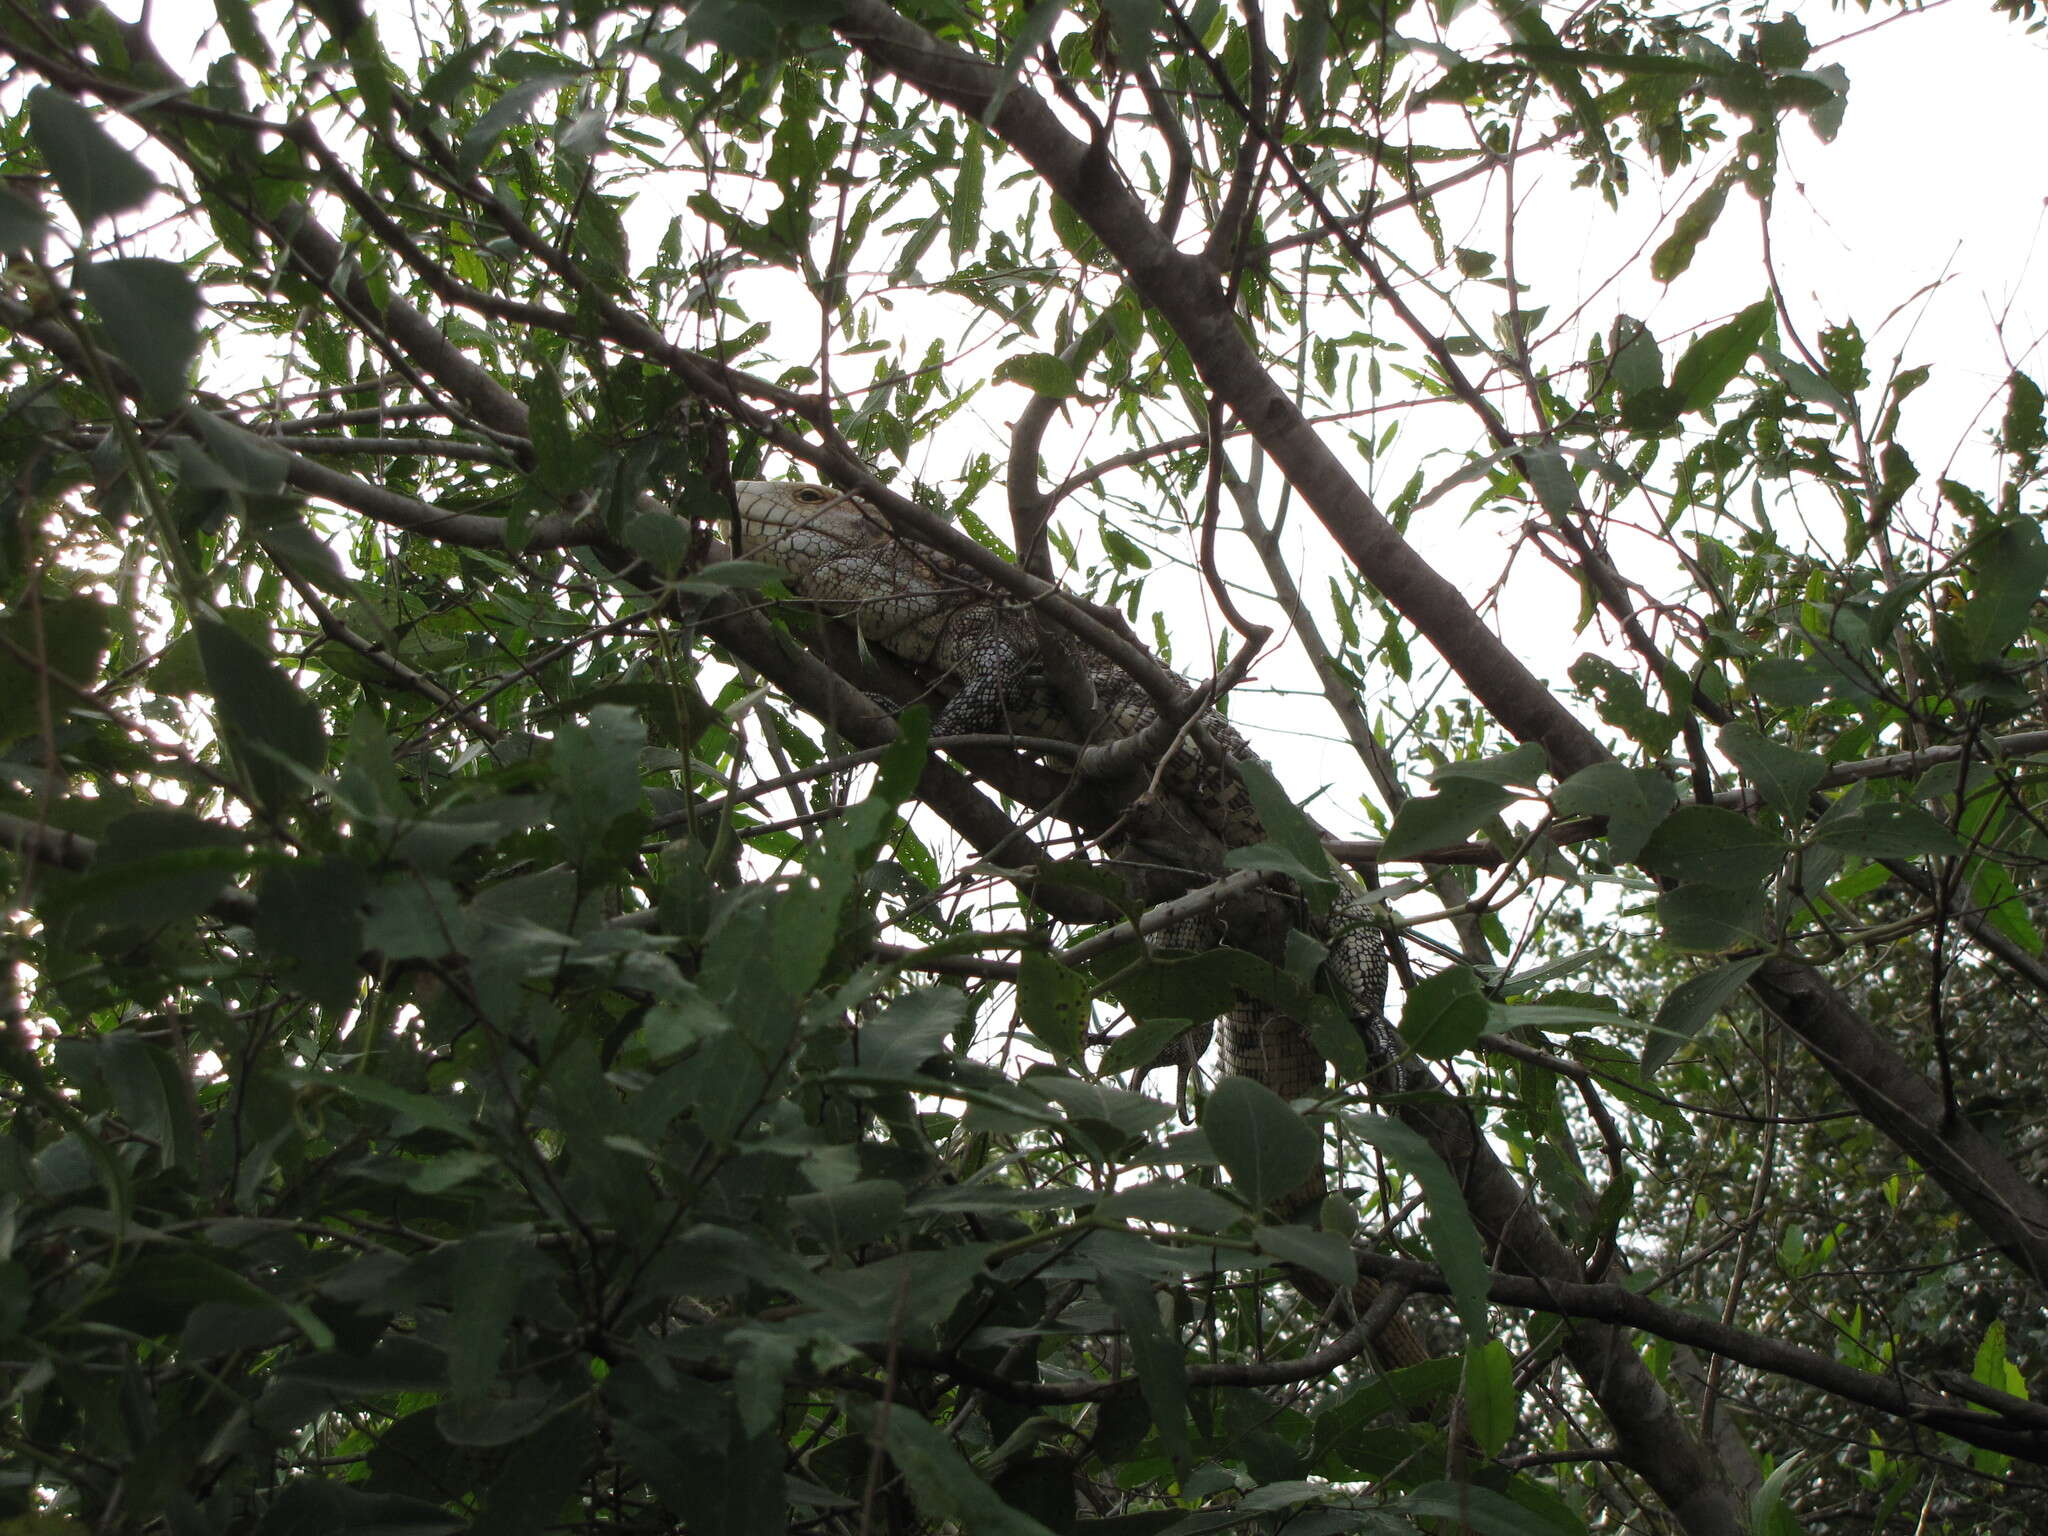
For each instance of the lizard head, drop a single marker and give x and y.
(799, 524)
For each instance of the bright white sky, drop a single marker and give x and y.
(1928, 208)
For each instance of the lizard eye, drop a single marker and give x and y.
(810, 495)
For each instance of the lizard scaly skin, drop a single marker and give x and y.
(954, 631)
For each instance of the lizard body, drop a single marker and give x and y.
(947, 624)
(954, 631)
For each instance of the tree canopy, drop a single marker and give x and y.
(513, 1022)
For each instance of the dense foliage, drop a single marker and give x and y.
(512, 1024)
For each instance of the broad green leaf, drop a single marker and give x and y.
(1035, 27)
(660, 538)
(1525, 765)
(2008, 569)
(1712, 846)
(23, 226)
(1713, 919)
(487, 1275)
(94, 174)
(1053, 1001)
(1634, 801)
(850, 1214)
(309, 913)
(1623, 704)
(155, 868)
(149, 315)
(1692, 226)
(274, 728)
(1550, 476)
(511, 107)
(1478, 1510)
(912, 1030)
(1327, 1254)
(944, 1487)
(1284, 821)
(1187, 1206)
(964, 208)
(1156, 1354)
(1489, 1385)
(1113, 1117)
(1714, 359)
(1784, 776)
(1691, 1005)
(2023, 431)
(1141, 1044)
(1890, 829)
(1040, 372)
(50, 660)
(1266, 1146)
(1446, 1014)
(1993, 891)
(1442, 820)
(1453, 1239)
(1558, 1017)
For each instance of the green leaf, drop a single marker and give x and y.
(848, 1215)
(1891, 829)
(1689, 1007)
(1675, 253)
(1054, 1003)
(1040, 372)
(1156, 1353)
(1712, 846)
(1713, 360)
(1784, 776)
(596, 767)
(1713, 919)
(1327, 1254)
(660, 538)
(1793, 682)
(1635, 362)
(1472, 1508)
(155, 868)
(2023, 432)
(1142, 1043)
(1033, 31)
(23, 226)
(964, 208)
(943, 1486)
(310, 913)
(911, 1030)
(149, 317)
(1550, 476)
(1453, 1239)
(1284, 821)
(1186, 1206)
(1428, 822)
(1555, 1017)
(1525, 765)
(1113, 1118)
(1623, 704)
(51, 660)
(1999, 899)
(2008, 568)
(485, 1283)
(94, 174)
(510, 108)
(1489, 1386)
(1634, 801)
(1446, 1014)
(1266, 1147)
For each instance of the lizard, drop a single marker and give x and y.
(949, 626)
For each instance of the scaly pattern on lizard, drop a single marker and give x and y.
(951, 628)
